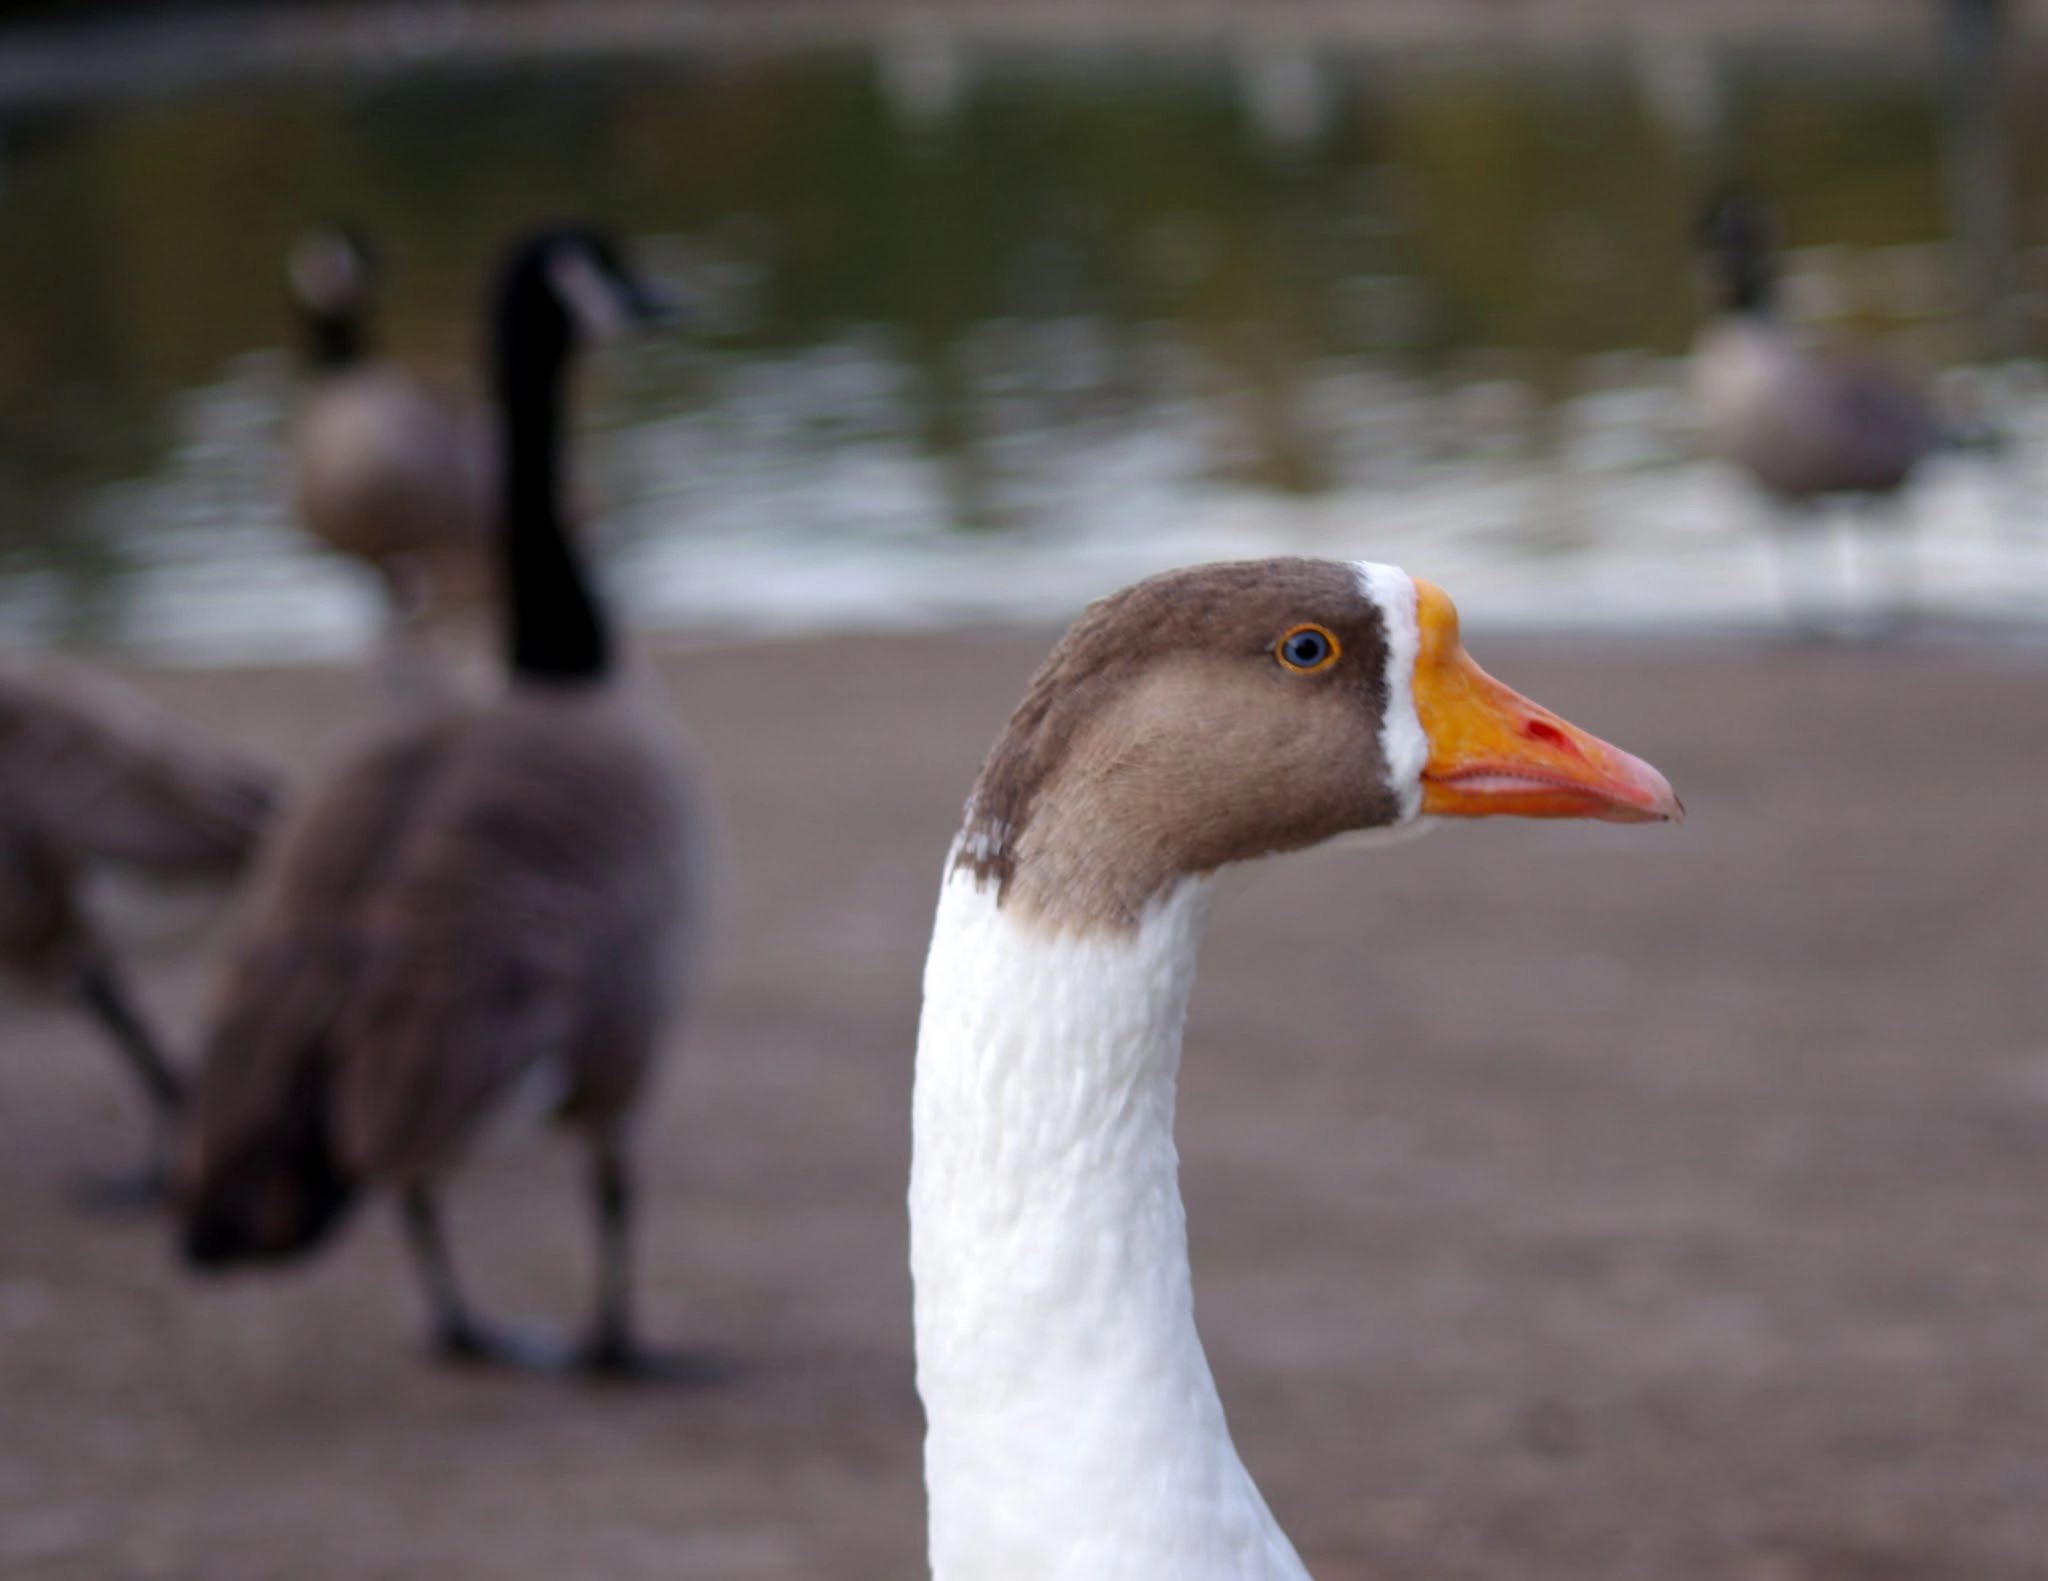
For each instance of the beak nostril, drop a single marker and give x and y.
(1543, 730)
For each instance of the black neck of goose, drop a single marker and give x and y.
(557, 631)
(335, 340)
(1749, 285)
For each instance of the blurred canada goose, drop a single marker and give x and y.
(88, 780)
(1205, 717)
(1807, 424)
(1803, 421)
(387, 467)
(489, 898)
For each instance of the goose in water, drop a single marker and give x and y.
(386, 467)
(1810, 426)
(1204, 717)
(89, 781)
(488, 898)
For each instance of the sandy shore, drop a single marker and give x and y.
(1568, 1203)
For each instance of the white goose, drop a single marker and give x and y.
(1205, 717)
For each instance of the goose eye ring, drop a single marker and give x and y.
(1307, 649)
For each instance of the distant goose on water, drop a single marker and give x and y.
(487, 898)
(89, 781)
(1202, 718)
(387, 467)
(1808, 425)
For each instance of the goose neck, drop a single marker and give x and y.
(1073, 1425)
(557, 631)
(336, 340)
(1750, 290)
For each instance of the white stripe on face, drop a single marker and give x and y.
(1403, 746)
(592, 299)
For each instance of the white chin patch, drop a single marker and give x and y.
(1403, 747)
(592, 300)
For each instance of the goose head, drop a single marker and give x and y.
(1223, 713)
(556, 292)
(1206, 717)
(567, 287)
(332, 272)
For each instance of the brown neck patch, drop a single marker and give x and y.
(1163, 739)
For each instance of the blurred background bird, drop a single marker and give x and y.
(1816, 428)
(487, 898)
(91, 782)
(388, 466)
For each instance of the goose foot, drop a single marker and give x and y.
(468, 1343)
(612, 1358)
(607, 1359)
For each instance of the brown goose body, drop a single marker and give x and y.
(91, 780)
(387, 465)
(477, 898)
(1807, 422)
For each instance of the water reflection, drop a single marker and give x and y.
(985, 334)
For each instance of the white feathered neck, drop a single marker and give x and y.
(1074, 1431)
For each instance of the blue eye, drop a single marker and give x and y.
(1307, 648)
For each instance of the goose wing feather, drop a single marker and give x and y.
(298, 948)
(105, 780)
(542, 893)
(454, 914)
(1875, 425)
(42, 933)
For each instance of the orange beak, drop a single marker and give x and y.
(1493, 751)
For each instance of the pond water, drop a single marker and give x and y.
(986, 333)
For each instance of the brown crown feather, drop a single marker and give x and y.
(1162, 738)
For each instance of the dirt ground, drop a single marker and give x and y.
(1568, 1203)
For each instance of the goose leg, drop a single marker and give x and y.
(611, 1344)
(408, 587)
(613, 1350)
(410, 666)
(1895, 545)
(459, 1335)
(102, 989)
(1791, 532)
(105, 995)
